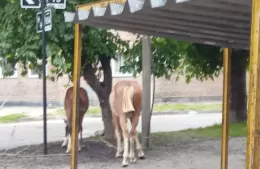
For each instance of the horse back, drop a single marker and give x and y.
(83, 102)
(121, 95)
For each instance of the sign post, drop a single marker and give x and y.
(57, 4)
(43, 4)
(43, 25)
(30, 4)
(47, 21)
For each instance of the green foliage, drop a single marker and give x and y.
(194, 61)
(20, 42)
(166, 56)
(201, 62)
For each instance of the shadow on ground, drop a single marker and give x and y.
(186, 153)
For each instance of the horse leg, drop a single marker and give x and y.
(134, 121)
(81, 130)
(118, 134)
(69, 138)
(79, 140)
(126, 140)
(139, 149)
(69, 145)
(132, 144)
(65, 142)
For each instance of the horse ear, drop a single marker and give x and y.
(65, 121)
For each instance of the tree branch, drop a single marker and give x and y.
(107, 72)
(90, 77)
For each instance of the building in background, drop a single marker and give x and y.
(27, 91)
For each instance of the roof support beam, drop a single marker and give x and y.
(253, 138)
(146, 99)
(195, 38)
(73, 134)
(225, 107)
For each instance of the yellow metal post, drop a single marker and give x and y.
(253, 137)
(76, 82)
(225, 108)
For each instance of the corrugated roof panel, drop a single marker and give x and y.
(219, 22)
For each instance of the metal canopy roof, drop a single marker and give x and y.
(224, 23)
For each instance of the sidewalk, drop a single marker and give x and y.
(36, 113)
(19, 134)
(30, 111)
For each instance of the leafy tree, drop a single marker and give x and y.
(194, 61)
(21, 44)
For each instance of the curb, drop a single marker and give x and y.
(194, 99)
(40, 118)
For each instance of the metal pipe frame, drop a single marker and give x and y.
(76, 81)
(45, 145)
(253, 123)
(225, 108)
(146, 99)
(253, 139)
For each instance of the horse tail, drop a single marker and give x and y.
(128, 94)
(112, 100)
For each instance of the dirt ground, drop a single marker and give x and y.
(189, 153)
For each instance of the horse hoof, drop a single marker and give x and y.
(63, 145)
(118, 155)
(142, 157)
(79, 150)
(141, 154)
(124, 165)
(99, 133)
(133, 160)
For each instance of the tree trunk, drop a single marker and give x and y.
(103, 90)
(153, 94)
(107, 120)
(238, 100)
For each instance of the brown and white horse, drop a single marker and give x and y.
(83, 108)
(126, 103)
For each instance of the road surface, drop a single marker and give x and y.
(19, 134)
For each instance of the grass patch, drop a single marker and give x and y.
(12, 118)
(183, 107)
(160, 108)
(94, 110)
(235, 130)
(91, 111)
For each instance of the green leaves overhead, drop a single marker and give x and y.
(20, 40)
(194, 61)
(202, 62)
(166, 56)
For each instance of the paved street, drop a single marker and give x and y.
(18, 134)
